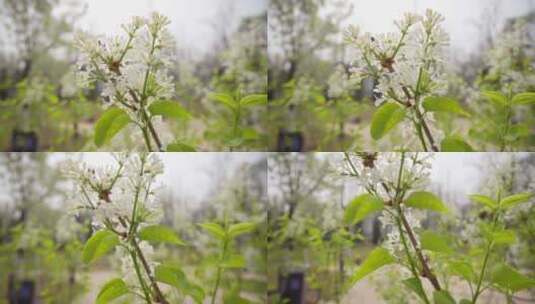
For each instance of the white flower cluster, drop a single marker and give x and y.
(511, 59)
(109, 192)
(379, 171)
(132, 68)
(393, 242)
(408, 64)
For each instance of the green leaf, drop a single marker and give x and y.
(425, 200)
(215, 230)
(179, 147)
(225, 99)
(233, 261)
(109, 124)
(174, 276)
(485, 200)
(455, 144)
(385, 119)
(515, 199)
(169, 275)
(234, 142)
(240, 228)
(495, 97)
(360, 207)
(169, 109)
(462, 269)
(435, 242)
(415, 285)
(504, 237)
(378, 258)
(158, 233)
(510, 279)
(195, 291)
(465, 301)
(111, 291)
(253, 100)
(443, 297)
(98, 245)
(443, 104)
(524, 99)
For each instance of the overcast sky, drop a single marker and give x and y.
(463, 17)
(192, 21)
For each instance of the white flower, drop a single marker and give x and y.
(379, 170)
(408, 20)
(121, 64)
(393, 242)
(407, 65)
(396, 59)
(109, 192)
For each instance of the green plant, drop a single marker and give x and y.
(236, 133)
(227, 258)
(392, 183)
(499, 124)
(121, 200)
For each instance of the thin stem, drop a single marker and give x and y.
(506, 129)
(144, 97)
(148, 124)
(127, 47)
(134, 208)
(485, 261)
(417, 95)
(350, 162)
(397, 198)
(426, 269)
(147, 139)
(140, 277)
(409, 257)
(218, 279)
(219, 270)
(153, 132)
(420, 135)
(400, 174)
(427, 131)
(160, 298)
(400, 43)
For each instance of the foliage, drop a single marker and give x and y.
(429, 255)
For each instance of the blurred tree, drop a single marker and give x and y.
(300, 30)
(30, 185)
(297, 177)
(35, 29)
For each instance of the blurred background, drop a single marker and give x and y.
(311, 247)
(220, 47)
(41, 239)
(309, 68)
